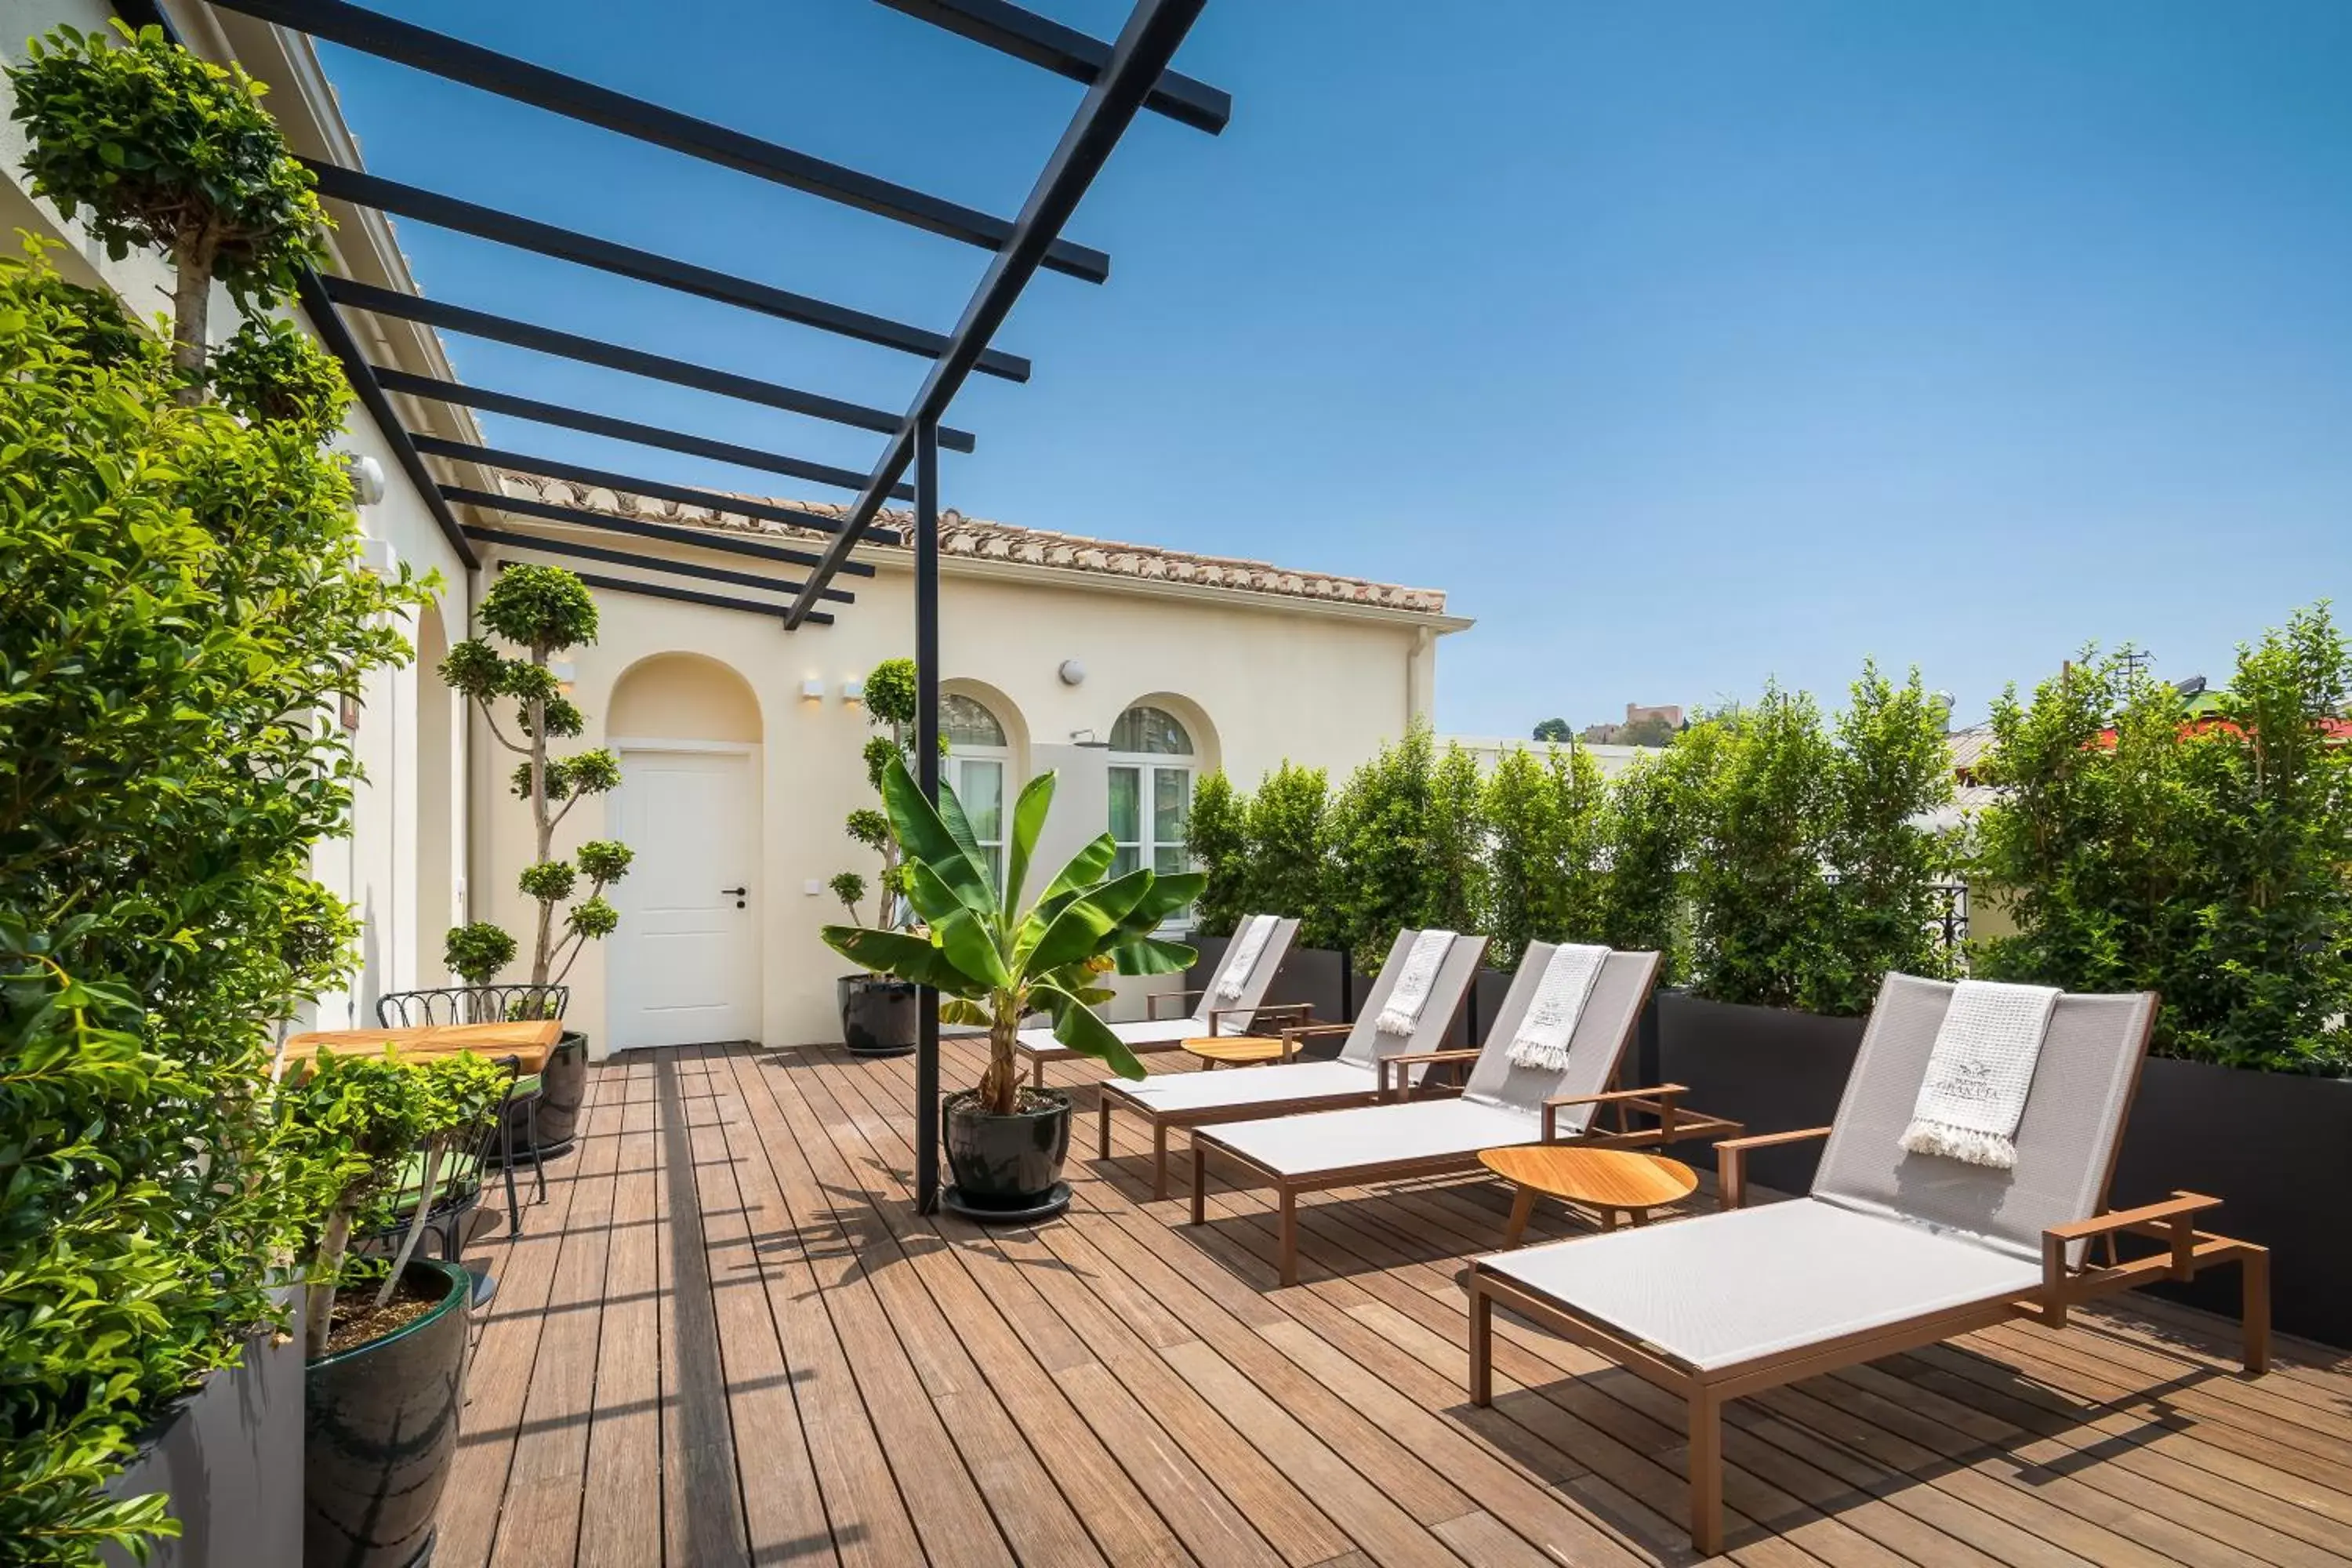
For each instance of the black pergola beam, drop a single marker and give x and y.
(606, 480)
(683, 595)
(614, 356)
(699, 539)
(624, 558)
(309, 290)
(364, 190)
(454, 59)
(1154, 30)
(531, 408)
(1026, 35)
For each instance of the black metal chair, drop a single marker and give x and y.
(487, 1005)
(457, 1189)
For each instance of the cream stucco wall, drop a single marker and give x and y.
(403, 865)
(1257, 678)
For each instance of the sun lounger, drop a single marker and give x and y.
(1502, 1104)
(1213, 1016)
(1891, 1250)
(1356, 1078)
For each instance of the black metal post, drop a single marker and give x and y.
(927, 773)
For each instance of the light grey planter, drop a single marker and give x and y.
(230, 1457)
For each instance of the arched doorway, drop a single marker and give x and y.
(683, 965)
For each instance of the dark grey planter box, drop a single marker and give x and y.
(2276, 1149)
(1770, 1069)
(230, 1457)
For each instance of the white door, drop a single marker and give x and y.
(683, 966)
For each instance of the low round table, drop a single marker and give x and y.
(1235, 1050)
(1614, 1181)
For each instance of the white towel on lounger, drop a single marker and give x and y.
(1978, 1072)
(1410, 995)
(1242, 959)
(1559, 1002)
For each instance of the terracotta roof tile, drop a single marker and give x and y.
(983, 539)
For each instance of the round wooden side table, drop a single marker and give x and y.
(1613, 1181)
(1236, 1050)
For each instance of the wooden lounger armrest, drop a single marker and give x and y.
(1659, 1100)
(1418, 1058)
(1261, 1011)
(2173, 1221)
(1731, 1160)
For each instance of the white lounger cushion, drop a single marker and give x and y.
(1376, 1134)
(1723, 1289)
(1181, 1091)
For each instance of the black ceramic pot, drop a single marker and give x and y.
(877, 1014)
(1006, 1161)
(565, 1081)
(380, 1430)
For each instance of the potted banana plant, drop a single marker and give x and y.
(996, 962)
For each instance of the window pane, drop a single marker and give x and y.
(965, 722)
(1127, 805)
(1152, 731)
(982, 790)
(1171, 791)
(1125, 860)
(1168, 859)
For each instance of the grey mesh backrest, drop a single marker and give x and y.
(1366, 1044)
(2083, 1085)
(1269, 961)
(1619, 993)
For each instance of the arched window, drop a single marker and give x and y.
(1151, 790)
(977, 761)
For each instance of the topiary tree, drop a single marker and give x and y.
(154, 147)
(1217, 835)
(543, 610)
(891, 707)
(475, 952)
(165, 784)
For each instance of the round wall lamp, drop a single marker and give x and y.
(1073, 672)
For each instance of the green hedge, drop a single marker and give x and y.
(2205, 858)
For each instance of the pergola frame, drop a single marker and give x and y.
(1124, 78)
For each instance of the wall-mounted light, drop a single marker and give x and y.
(1072, 673)
(1083, 737)
(366, 476)
(853, 690)
(378, 556)
(813, 689)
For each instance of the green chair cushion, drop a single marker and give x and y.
(529, 1083)
(457, 1177)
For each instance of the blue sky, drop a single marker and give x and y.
(1683, 344)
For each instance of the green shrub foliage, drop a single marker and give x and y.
(891, 707)
(1286, 853)
(1809, 872)
(1380, 847)
(1217, 833)
(1547, 824)
(181, 603)
(2206, 860)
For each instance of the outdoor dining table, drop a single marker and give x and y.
(530, 1040)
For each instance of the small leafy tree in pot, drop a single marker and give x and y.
(162, 149)
(996, 962)
(891, 707)
(544, 610)
(361, 1117)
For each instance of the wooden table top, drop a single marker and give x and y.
(1236, 1050)
(1604, 1178)
(531, 1040)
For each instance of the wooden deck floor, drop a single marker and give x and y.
(727, 1338)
